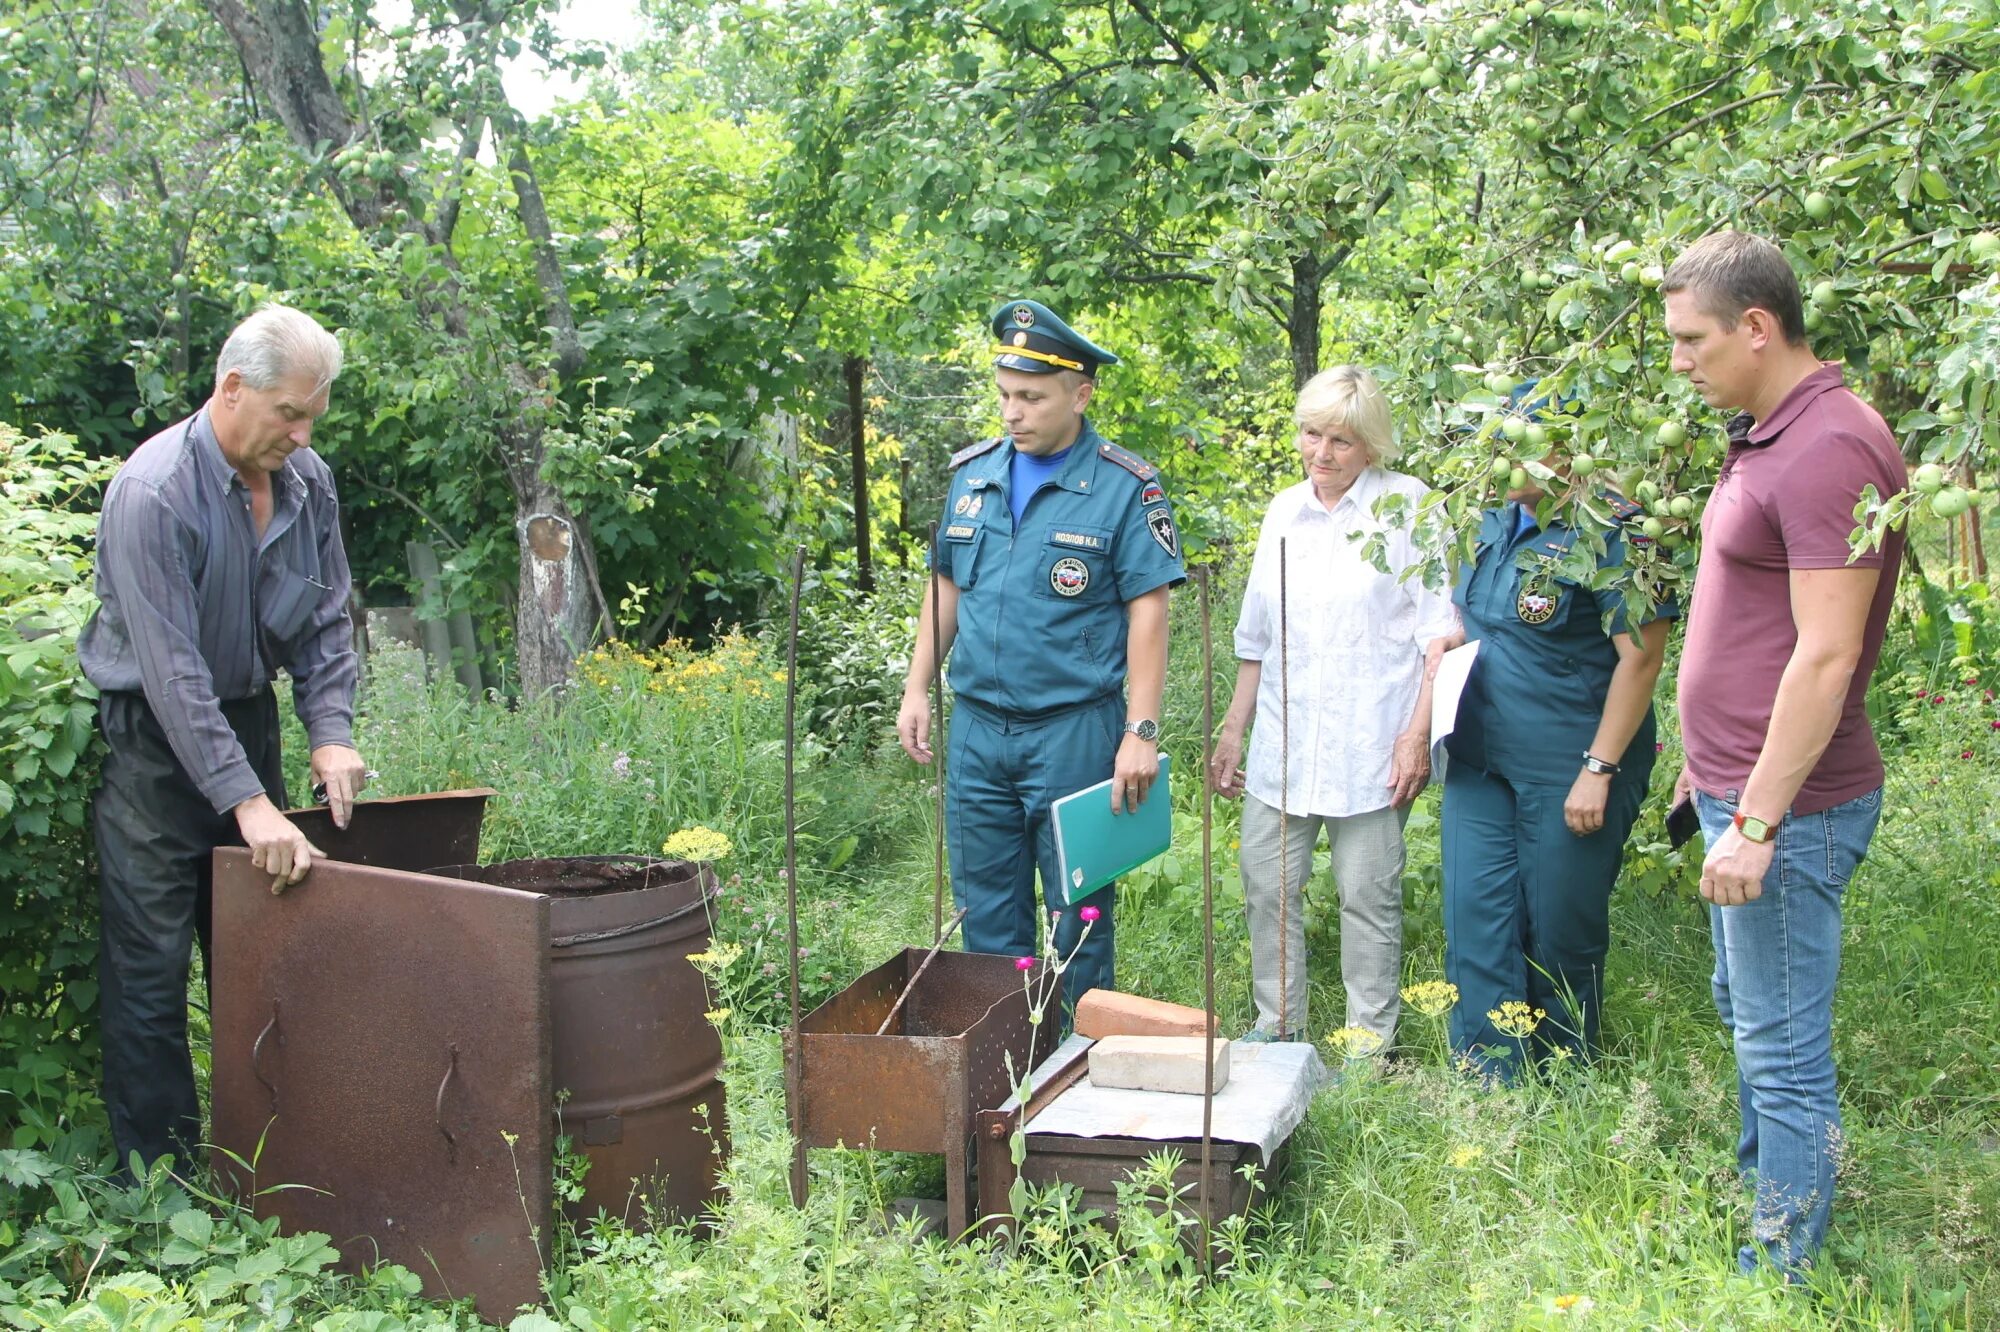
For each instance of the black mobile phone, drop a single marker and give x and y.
(1682, 822)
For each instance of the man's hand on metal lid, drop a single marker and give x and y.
(276, 845)
(319, 788)
(338, 775)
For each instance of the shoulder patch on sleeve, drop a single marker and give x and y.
(1128, 460)
(1624, 510)
(1630, 515)
(971, 451)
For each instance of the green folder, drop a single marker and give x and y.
(1095, 846)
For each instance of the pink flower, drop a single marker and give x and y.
(1024, 964)
(1659, 746)
(1995, 723)
(1966, 754)
(1089, 914)
(1937, 698)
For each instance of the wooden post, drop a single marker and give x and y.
(855, 369)
(448, 640)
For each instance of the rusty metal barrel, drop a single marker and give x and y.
(636, 1062)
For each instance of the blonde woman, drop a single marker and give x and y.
(1349, 674)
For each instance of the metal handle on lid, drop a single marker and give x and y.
(257, 1055)
(450, 1142)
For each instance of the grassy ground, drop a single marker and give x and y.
(1602, 1195)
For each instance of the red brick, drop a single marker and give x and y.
(1103, 1013)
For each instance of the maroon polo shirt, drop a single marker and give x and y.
(1784, 500)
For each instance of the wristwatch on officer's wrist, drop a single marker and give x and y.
(1146, 729)
(1752, 828)
(1592, 763)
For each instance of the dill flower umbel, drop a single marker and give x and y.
(1431, 998)
(1516, 1019)
(717, 958)
(697, 843)
(1353, 1042)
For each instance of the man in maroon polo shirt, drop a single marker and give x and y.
(1784, 626)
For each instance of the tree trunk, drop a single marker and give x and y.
(556, 613)
(855, 369)
(555, 604)
(1302, 328)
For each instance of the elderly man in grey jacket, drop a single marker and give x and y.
(219, 562)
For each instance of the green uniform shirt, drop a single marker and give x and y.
(1545, 658)
(1041, 609)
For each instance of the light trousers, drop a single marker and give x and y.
(1367, 852)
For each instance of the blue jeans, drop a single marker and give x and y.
(1776, 961)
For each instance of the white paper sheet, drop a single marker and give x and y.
(1269, 1088)
(1454, 669)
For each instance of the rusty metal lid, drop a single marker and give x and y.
(383, 1039)
(401, 832)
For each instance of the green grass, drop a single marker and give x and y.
(1413, 1199)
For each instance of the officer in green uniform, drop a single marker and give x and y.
(1054, 558)
(1549, 761)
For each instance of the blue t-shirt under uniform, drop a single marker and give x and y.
(1026, 473)
(1042, 620)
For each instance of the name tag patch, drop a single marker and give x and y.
(960, 531)
(1080, 540)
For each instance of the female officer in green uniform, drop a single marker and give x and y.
(1549, 760)
(1053, 565)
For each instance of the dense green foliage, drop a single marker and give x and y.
(1230, 195)
(48, 928)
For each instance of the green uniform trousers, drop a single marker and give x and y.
(1004, 772)
(1527, 911)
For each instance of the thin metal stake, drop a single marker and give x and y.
(1284, 799)
(937, 742)
(795, 1065)
(1207, 914)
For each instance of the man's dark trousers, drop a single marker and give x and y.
(155, 833)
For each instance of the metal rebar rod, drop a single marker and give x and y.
(1207, 915)
(795, 1070)
(918, 974)
(937, 737)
